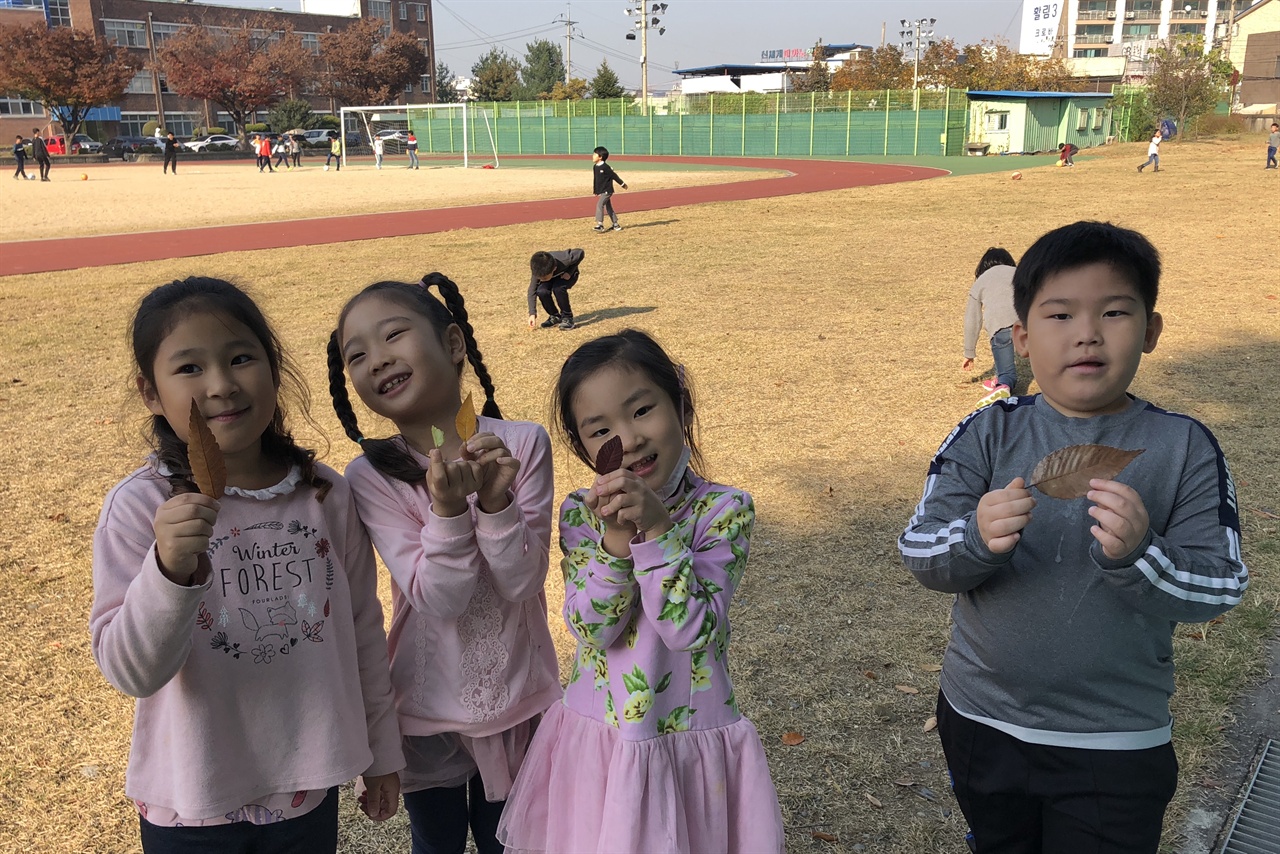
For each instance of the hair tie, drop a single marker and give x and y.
(360, 440)
(680, 376)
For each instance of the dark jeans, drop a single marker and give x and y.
(171, 159)
(337, 158)
(1023, 798)
(314, 833)
(1151, 159)
(1002, 352)
(297, 157)
(21, 170)
(545, 292)
(265, 163)
(44, 163)
(1271, 157)
(439, 819)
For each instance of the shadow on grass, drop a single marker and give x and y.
(656, 222)
(611, 313)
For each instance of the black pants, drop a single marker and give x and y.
(282, 158)
(314, 833)
(264, 162)
(1022, 798)
(439, 819)
(545, 292)
(21, 170)
(171, 158)
(297, 158)
(44, 163)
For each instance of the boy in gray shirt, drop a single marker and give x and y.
(1273, 142)
(1054, 702)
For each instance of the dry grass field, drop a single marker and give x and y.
(823, 337)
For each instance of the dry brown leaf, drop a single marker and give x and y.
(907, 689)
(875, 802)
(1066, 472)
(871, 674)
(825, 837)
(609, 457)
(791, 739)
(465, 422)
(208, 468)
(931, 668)
(931, 723)
(904, 782)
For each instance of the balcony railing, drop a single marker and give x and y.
(1097, 15)
(1093, 38)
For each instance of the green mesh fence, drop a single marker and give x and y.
(816, 124)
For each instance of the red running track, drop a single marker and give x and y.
(804, 176)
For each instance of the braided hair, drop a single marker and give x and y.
(390, 456)
(159, 313)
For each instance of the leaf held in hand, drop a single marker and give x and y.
(791, 739)
(437, 436)
(1066, 472)
(609, 457)
(208, 468)
(466, 420)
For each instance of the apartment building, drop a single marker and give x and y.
(141, 26)
(1097, 28)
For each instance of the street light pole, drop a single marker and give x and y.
(915, 35)
(646, 18)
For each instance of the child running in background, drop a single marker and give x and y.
(648, 751)
(1054, 703)
(464, 527)
(552, 274)
(990, 307)
(248, 627)
(604, 180)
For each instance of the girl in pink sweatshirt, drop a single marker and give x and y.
(248, 627)
(463, 525)
(648, 751)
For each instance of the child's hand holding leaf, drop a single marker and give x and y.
(184, 524)
(624, 501)
(1002, 514)
(498, 470)
(1088, 471)
(1120, 516)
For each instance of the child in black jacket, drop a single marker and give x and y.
(605, 178)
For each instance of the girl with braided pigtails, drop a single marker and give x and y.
(463, 524)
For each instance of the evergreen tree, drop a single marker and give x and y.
(446, 85)
(495, 77)
(290, 114)
(816, 77)
(605, 84)
(543, 69)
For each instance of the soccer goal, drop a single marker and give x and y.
(445, 132)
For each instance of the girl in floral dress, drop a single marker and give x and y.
(647, 751)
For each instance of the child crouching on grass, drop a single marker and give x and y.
(1054, 704)
(553, 273)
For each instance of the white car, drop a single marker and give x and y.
(387, 134)
(214, 139)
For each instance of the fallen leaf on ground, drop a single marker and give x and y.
(904, 782)
(791, 739)
(825, 837)
(208, 468)
(907, 689)
(875, 802)
(1066, 472)
(931, 723)
(871, 674)
(931, 668)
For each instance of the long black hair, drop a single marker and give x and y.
(388, 455)
(167, 306)
(634, 349)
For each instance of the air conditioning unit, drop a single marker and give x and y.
(1130, 15)
(1109, 40)
(1204, 13)
(1111, 16)
(1152, 36)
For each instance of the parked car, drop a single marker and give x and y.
(318, 137)
(213, 139)
(83, 144)
(389, 134)
(125, 147)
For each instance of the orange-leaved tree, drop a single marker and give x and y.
(361, 65)
(879, 69)
(65, 70)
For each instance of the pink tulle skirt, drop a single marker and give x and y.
(583, 789)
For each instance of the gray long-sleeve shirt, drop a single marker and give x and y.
(1053, 642)
(567, 261)
(990, 306)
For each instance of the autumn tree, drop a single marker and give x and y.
(574, 90)
(543, 69)
(362, 65)
(446, 85)
(495, 77)
(816, 76)
(605, 84)
(994, 65)
(67, 71)
(941, 68)
(1184, 81)
(878, 69)
(242, 70)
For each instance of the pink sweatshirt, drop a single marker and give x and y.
(270, 678)
(470, 649)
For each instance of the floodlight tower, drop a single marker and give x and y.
(645, 18)
(917, 35)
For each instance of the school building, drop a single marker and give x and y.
(141, 26)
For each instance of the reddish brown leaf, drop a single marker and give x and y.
(609, 457)
(1066, 472)
(871, 674)
(208, 468)
(907, 689)
(825, 837)
(791, 739)
(465, 422)
(875, 802)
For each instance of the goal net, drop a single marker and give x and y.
(445, 132)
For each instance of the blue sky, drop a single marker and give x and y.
(698, 32)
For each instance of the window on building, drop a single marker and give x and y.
(311, 43)
(59, 13)
(182, 124)
(422, 11)
(1087, 53)
(131, 124)
(380, 9)
(227, 123)
(408, 88)
(125, 33)
(425, 47)
(997, 121)
(1098, 115)
(1145, 8)
(1082, 120)
(426, 84)
(163, 32)
(141, 84)
(20, 107)
(1139, 32)
(404, 11)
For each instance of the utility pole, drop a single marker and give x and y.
(645, 19)
(915, 35)
(566, 19)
